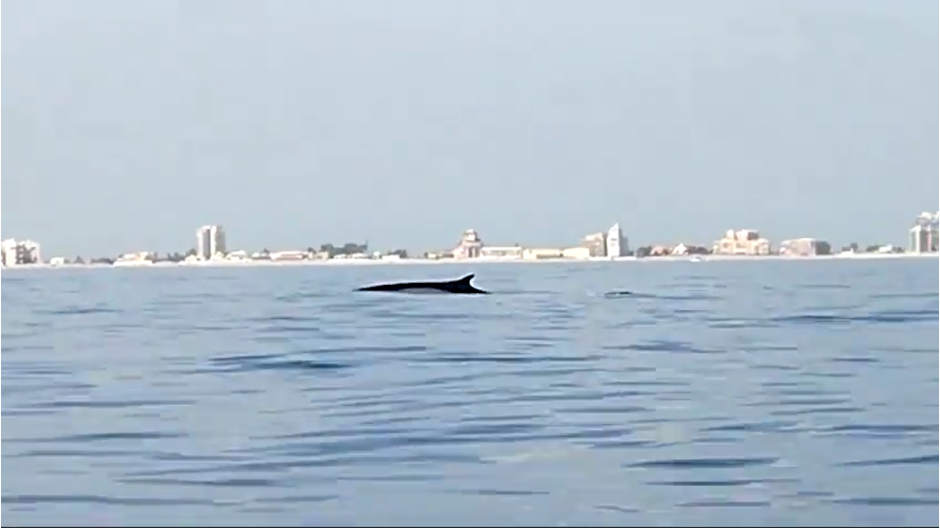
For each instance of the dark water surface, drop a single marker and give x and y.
(724, 393)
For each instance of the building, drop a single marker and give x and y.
(923, 239)
(616, 243)
(210, 241)
(288, 255)
(596, 244)
(137, 258)
(470, 245)
(542, 253)
(508, 252)
(925, 235)
(580, 253)
(742, 242)
(682, 249)
(18, 252)
(805, 247)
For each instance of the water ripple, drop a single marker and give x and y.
(717, 394)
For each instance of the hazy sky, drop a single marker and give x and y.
(298, 122)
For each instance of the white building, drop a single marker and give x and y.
(596, 244)
(580, 253)
(507, 252)
(804, 247)
(742, 242)
(923, 239)
(17, 252)
(136, 258)
(925, 234)
(470, 245)
(210, 241)
(542, 253)
(616, 243)
(290, 254)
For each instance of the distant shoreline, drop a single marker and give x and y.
(699, 259)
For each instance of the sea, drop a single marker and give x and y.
(719, 393)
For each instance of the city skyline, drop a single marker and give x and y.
(304, 122)
(211, 243)
(899, 240)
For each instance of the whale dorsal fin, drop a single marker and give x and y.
(465, 279)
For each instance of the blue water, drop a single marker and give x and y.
(724, 393)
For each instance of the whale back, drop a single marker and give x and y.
(456, 286)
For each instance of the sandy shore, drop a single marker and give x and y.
(704, 259)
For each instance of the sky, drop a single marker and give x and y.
(298, 122)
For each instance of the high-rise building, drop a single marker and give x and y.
(210, 240)
(925, 234)
(16, 252)
(923, 239)
(616, 243)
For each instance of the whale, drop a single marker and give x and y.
(459, 286)
(617, 294)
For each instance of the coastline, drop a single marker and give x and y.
(701, 259)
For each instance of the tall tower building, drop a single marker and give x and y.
(210, 240)
(616, 243)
